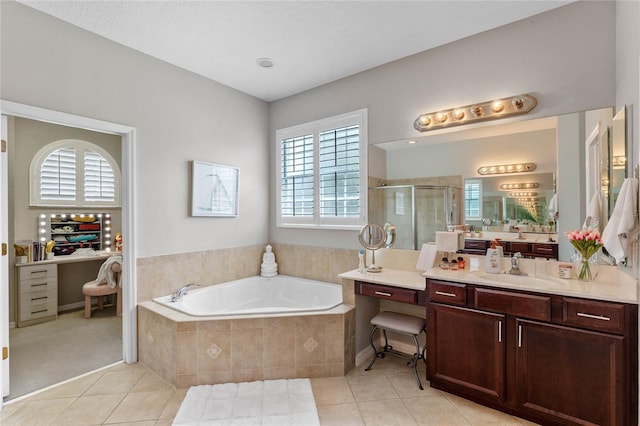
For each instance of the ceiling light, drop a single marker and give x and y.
(507, 168)
(264, 62)
(489, 110)
(411, 142)
(522, 194)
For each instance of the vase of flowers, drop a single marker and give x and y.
(586, 243)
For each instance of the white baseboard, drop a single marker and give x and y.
(366, 354)
(70, 306)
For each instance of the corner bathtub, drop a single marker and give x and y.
(258, 295)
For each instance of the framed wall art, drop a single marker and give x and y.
(214, 190)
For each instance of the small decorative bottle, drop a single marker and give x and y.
(461, 262)
(361, 266)
(444, 264)
(454, 265)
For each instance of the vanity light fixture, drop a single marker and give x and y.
(506, 168)
(512, 186)
(618, 161)
(489, 110)
(522, 194)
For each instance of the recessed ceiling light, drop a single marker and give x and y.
(411, 142)
(264, 62)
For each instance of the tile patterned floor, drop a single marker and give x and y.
(133, 395)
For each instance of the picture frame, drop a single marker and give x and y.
(214, 190)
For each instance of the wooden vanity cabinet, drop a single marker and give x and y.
(548, 358)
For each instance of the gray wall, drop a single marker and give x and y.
(557, 56)
(178, 117)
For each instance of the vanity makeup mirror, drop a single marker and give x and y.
(452, 157)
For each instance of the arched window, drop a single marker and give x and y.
(74, 173)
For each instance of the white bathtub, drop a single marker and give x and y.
(258, 295)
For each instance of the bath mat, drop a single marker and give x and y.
(269, 402)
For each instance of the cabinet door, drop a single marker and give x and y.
(569, 375)
(466, 351)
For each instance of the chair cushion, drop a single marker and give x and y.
(92, 288)
(400, 322)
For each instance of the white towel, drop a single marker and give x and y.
(449, 241)
(623, 223)
(427, 257)
(553, 207)
(106, 274)
(592, 221)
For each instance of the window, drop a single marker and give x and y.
(322, 173)
(74, 173)
(473, 199)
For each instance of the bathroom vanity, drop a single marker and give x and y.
(549, 350)
(553, 351)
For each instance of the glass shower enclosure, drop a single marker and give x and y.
(416, 211)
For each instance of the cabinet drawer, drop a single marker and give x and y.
(38, 284)
(515, 247)
(37, 298)
(388, 292)
(450, 293)
(592, 314)
(38, 311)
(38, 271)
(550, 250)
(522, 305)
(476, 244)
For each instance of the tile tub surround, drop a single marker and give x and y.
(188, 351)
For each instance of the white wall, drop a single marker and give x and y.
(178, 115)
(564, 57)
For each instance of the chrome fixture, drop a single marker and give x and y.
(180, 293)
(489, 110)
(515, 267)
(506, 168)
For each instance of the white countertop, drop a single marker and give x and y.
(70, 258)
(392, 277)
(610, 285)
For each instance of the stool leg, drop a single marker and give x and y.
(375, 351)
(100, 303)
(416, 357)
(87, 306)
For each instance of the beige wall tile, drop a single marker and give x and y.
(280, 373)
(214, 351)
(311, 345)
(249, 375)
(247, 349)
(279, 347)
(187, 353)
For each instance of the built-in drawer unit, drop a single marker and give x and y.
(446, 292)
(404, 295)
(594, 314)
(517, 304)
(38, 294)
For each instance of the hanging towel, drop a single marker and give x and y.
(106, 274)
(449, 241)
(553, 207)
(623, 224)
(592, 221)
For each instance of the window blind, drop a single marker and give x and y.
(339, 167)
(297, 176)
(58, 175)
(99, 180)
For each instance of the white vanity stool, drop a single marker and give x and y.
(403, 324)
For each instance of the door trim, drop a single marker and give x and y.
(128, 135)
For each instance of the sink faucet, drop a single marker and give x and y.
(178, 294)
(515, 268)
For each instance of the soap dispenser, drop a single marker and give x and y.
(494, 258)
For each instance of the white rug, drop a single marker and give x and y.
(269, 402)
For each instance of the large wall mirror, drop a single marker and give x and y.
(448, 161)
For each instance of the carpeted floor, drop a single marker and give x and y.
(269, 402)
(45, 354)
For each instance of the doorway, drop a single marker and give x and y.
(127, 330)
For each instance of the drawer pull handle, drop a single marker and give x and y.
(38, 312)
(38, 285)
(44, 271)
(33, 299)
(382, 293)
(444, 293)
(499, 331)
(598, 317)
